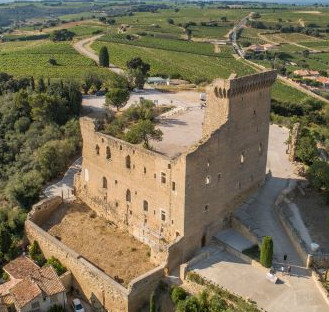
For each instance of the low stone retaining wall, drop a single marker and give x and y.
(94, 284)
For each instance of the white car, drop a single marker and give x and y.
(77, 306)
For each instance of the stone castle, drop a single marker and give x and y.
(176, 199)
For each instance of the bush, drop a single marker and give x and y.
(56, 264)
(178, 294)
(36, 254)
(56, 308)
(266, 252)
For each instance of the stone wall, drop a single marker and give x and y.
(41, 211)
(230, 163)
(93, 283)
(144, 191)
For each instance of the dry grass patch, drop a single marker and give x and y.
(112, 250)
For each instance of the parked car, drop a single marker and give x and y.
(77, 306)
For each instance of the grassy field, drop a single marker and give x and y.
(32, 59)
(189, 66)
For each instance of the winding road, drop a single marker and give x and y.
(83, 47)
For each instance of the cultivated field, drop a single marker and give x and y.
(187, 65)
(31, 58)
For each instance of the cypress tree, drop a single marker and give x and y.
(152, 302)
(266, 252)
(41, 85)
(32, 83)
(104, 59)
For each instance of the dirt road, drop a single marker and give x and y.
(83, 47)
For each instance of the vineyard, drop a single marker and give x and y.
(168, 44)
(192, 67)
(32, 58)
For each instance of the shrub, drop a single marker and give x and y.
(56, 264)
(178, 294)
(266, 253)
(52, 62)
(36, 254)
(56, 308)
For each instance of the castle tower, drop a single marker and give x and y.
(233, 98)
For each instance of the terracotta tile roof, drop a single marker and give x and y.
(24, 292)
(20, 268)
(4, 288)
(8, 300)
(48, 281)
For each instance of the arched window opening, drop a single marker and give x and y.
(97, 149)
(128, 196)
(108, 153)
(104, 183)
(128, 162)
(208, 179)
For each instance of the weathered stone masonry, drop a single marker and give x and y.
(161, 199)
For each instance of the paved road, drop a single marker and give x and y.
(83, 47)
(64, 187)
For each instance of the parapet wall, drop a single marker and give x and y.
(95, 285)
(41, 211)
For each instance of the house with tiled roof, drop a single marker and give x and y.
(31, 288)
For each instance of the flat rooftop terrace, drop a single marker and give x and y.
(181, 127)
(112, 250)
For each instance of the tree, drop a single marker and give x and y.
(24, 188)
(62, 35)
(104, 59)
(266, 252)
(177, 294)
(5, 239)
(188, 33)
(137, 72)
(319, 174)
(143, 131)
(306, 150)
(32, 83)
(52, 62)
(152, 302)
(117, 97)
(170, 21)
(41, 85)
(223, 19)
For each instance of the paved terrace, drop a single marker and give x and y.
(181, 128)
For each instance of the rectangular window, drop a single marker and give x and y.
(163, 216)
(163, 178)
(145, 205)
(173, 186)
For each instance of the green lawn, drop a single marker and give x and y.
(32, 59)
